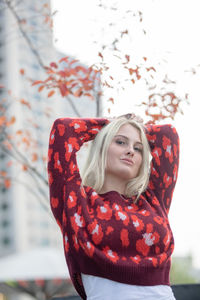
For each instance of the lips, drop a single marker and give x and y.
(128, 161)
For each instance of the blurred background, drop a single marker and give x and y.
(90, 58)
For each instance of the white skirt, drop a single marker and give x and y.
(98, 288)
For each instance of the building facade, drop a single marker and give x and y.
(25, 45)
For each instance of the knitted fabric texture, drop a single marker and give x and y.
(108, 235)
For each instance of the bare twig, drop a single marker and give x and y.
(24, 34)
(73, 106)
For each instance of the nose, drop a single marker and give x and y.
(130, 151)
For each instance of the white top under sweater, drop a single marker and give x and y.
(98, 288)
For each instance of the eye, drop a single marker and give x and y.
(120, 142)
(138, 149)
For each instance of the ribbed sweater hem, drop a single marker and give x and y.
(137, 275)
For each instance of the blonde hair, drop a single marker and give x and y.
(94, 170)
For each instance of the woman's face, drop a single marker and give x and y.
(124, 156)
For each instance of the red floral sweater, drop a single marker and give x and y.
(104, 234)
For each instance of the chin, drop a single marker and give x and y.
(126, 176)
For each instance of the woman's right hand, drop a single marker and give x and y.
(132, 116)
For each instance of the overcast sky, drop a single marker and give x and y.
(173, 30)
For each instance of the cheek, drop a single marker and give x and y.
(113, 155)
(139, 161)
(113, 151)
(109, 157)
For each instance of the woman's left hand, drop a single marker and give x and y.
(132, 116)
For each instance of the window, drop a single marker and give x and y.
(4, 206)
(6, 240)
(2, 156)
(5, 223)
(3, 189)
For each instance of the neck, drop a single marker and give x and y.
(113, 184)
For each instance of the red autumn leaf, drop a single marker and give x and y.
(48, 79)
(34, 157)
(100, 54)
(107, 84)
(37, 82)
(54, 65)
(19, 132)
(87, 88)
(9, 163)
(12, 121)
(78, 93)
(3, 173)
(24, 167)
(89, 95)
(24, 102)
(2, 120)
(47, 19)
(50, 71)
(151, 68)
(8, 145)
(124, 32)
(64, 59)
(21, 71)
(131, 71)
(63, 74)
(145, 58)
(73, 85)
(171, 95)
(73, 61)
(26, 141)
(80, 68)
(40, 88)
(127, 57)
(111, 100)
(63, 89)
(51, 93)
(44, 158)
(7, 183)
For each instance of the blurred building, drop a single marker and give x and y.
(24, 220)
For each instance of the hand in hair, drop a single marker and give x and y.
(132, 116)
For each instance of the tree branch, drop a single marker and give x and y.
(25, 36)
(73, 106)
(33, 49)
(31, 190)
(23, 160)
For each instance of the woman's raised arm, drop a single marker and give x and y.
(164, 144)
(66, 137)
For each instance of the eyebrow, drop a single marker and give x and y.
(120, 135)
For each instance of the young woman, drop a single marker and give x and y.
(114, 219)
